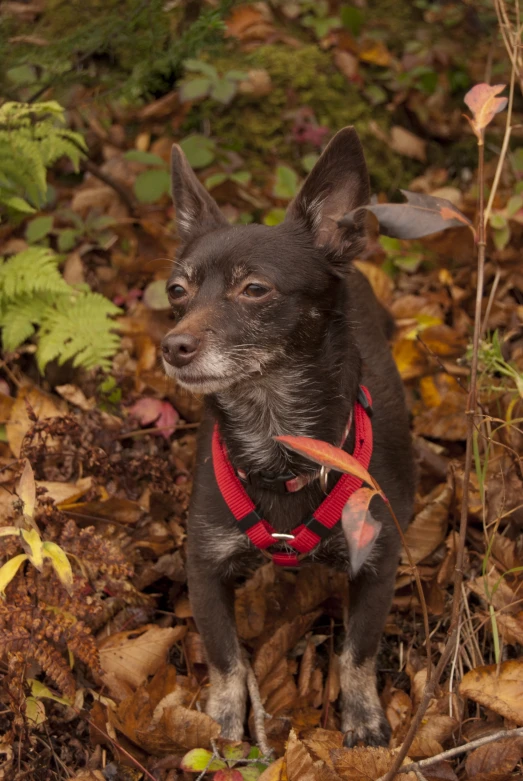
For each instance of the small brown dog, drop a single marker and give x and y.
(280, 333)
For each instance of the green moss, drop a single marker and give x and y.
(260, 127)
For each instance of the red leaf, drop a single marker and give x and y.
(228, 775)
(484, 104)
(163, 414)
(326, 455)
(360, 528)
(420, 216)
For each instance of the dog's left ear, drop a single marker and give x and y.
(338, 183)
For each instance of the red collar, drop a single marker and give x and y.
(305, 537)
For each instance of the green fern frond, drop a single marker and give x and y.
(79, 327)
(35, 270)
(20, 316)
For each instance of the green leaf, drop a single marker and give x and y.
(214, 180)
(149, 186)
(274, 216)
(199, 759)
(223, 91)
(309, 161)
(501, 237)
(241, 177)
(199, 150)
(147, 158)
(352, 19)
(389, 244)
(514, 204)
(375, 94)
(39, 690)
(18, 204)
(38, 228)
(236, 75)
(251, 772)
(200, 66)
(286, 184)
(194, 89)
(517, 159)
(67, 239)
(34, 711)
(155, 296)
(498, 222)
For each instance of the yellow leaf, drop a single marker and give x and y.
(9, 570)
(274, 772)
(500, 689)
(5, 531)
(34, 711)
(39, 690)
(27, 489)
(34, 543)
(60, 563)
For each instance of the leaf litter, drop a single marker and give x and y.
(112, 466)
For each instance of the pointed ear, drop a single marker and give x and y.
(338, 183)
(196, 211)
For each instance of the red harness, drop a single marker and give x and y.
(305, 537)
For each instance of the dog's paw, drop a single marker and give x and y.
(227, 702)
(363, 723)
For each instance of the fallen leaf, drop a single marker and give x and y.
(366, 764)
(484, 104)
(326, 455)
(428, 529)
(298, 762)
(360, 528)
(410, 360)
(76, 397)
(115, 509)
(133, 656)
(501, 691)
(375, 52)
(381, 283)
(347, 63)
(407, 144)
(274, 772)
(320, 743)
(178, 728)
(43, 405)
(495, 761)
(280, 643)
(27, 489)
(155, 411)
(444, 414)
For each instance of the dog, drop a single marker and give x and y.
(283, 335)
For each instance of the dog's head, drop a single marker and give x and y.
(246, 298)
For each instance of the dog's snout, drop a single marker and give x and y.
(180, 349)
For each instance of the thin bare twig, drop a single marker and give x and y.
(258, 710)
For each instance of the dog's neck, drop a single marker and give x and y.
(311, 398)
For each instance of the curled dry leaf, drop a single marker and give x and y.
(420, 216)
(484, 104)
(298, 762)
(132, 656)
(27, 489)
(501, 691)
(326, 455)
(427, 530)
(178, 728)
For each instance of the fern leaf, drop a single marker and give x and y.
(19, 317)
(79, 328)
(35, 270)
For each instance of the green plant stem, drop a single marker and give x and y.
(453, 633)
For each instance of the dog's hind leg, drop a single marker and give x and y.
(362, 717)
(212, 603)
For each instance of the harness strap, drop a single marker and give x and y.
(306, 536)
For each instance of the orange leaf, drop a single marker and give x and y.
(500, 689)
(326, 455)
(484, 104)
(360, 528)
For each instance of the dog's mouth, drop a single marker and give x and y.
(197, 381)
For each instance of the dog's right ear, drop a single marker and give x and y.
(196, 211)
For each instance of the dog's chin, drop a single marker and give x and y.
(198, 382)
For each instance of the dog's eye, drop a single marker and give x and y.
(176, 292)
(255, 291)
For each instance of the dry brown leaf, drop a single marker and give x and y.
(298, 762)
(250, 22)
(381, 283)
(399, 712)
(257, 84)
(407, 144)
(133, 656)
(65, 493)
(320, 743)
(76, 397)
(278, 645)
(275, 772)
(427, 530)
(316, 584)
(495, 761)
(250, 604)
(422, 747)
(366, 764)
(444, 414)
(511, 627)
(178, 728)
(43, 405)
(502, 693)
(116, 508)
(6, 405)
(347, 63)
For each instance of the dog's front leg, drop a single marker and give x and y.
(362, 717)
(212, 603)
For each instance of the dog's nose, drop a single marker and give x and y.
(179, 349)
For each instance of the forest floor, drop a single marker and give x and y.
(114, 678)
